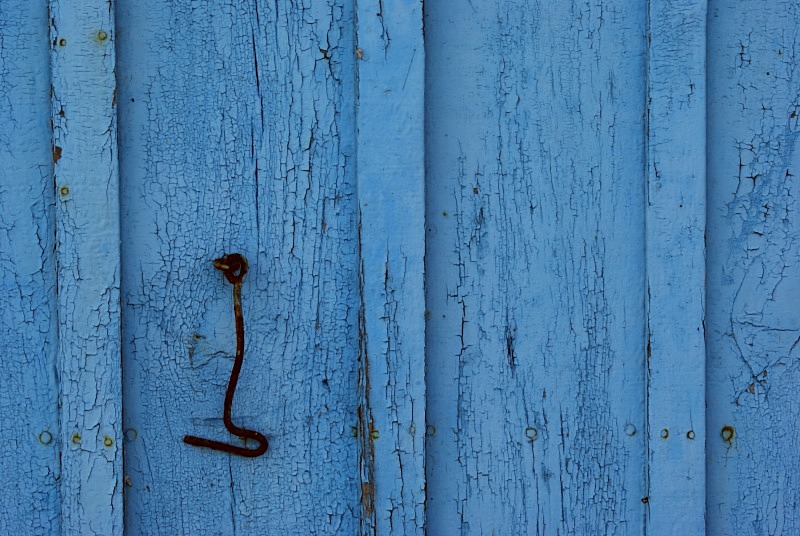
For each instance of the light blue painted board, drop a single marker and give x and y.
(536, 342)
(675, 266)
(753, 321)
(238, 135)
(29, 459)
(391, 204)
(87, 250)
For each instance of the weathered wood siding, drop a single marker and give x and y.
(752, 318)
(29, 449)
(536, 342)
(485, 270)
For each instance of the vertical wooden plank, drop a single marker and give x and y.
(535, 267)
(28, 389)
(675, 266)
(238, 135)
(753, 320)
(391, 201)
(87, 249)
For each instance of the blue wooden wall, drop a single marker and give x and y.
(530, 270)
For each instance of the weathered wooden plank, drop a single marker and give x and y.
(753, 320)
(535, 267)
(238, 135)
(28, 389)
(87, 250)
(675, 266)
(391, 202)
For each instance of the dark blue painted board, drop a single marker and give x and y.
(29, 451)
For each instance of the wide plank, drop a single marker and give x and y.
(238, 135)
(535, 267)
(752, 319)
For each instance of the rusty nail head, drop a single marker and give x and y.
(727, 433)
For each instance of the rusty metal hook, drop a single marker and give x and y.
(233, 266)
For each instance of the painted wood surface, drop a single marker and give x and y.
(753, 321)
(536, 342)
(83, 113)
(565, 208)
(238, 135)
(675, 266)
(29, 451)
(391, 205)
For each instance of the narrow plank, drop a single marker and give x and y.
(87, 249)
(238, 135)
(753, 320)
(29, 453)
(391, 203)
(675, 266)
(535, 267)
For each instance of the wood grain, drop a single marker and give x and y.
(753, 321)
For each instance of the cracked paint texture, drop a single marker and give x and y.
(391, 202)
(753, 322)
(238, 136)
(83, 114)
(29, 448)
(535, 267)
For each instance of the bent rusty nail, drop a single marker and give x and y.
(233, 266)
